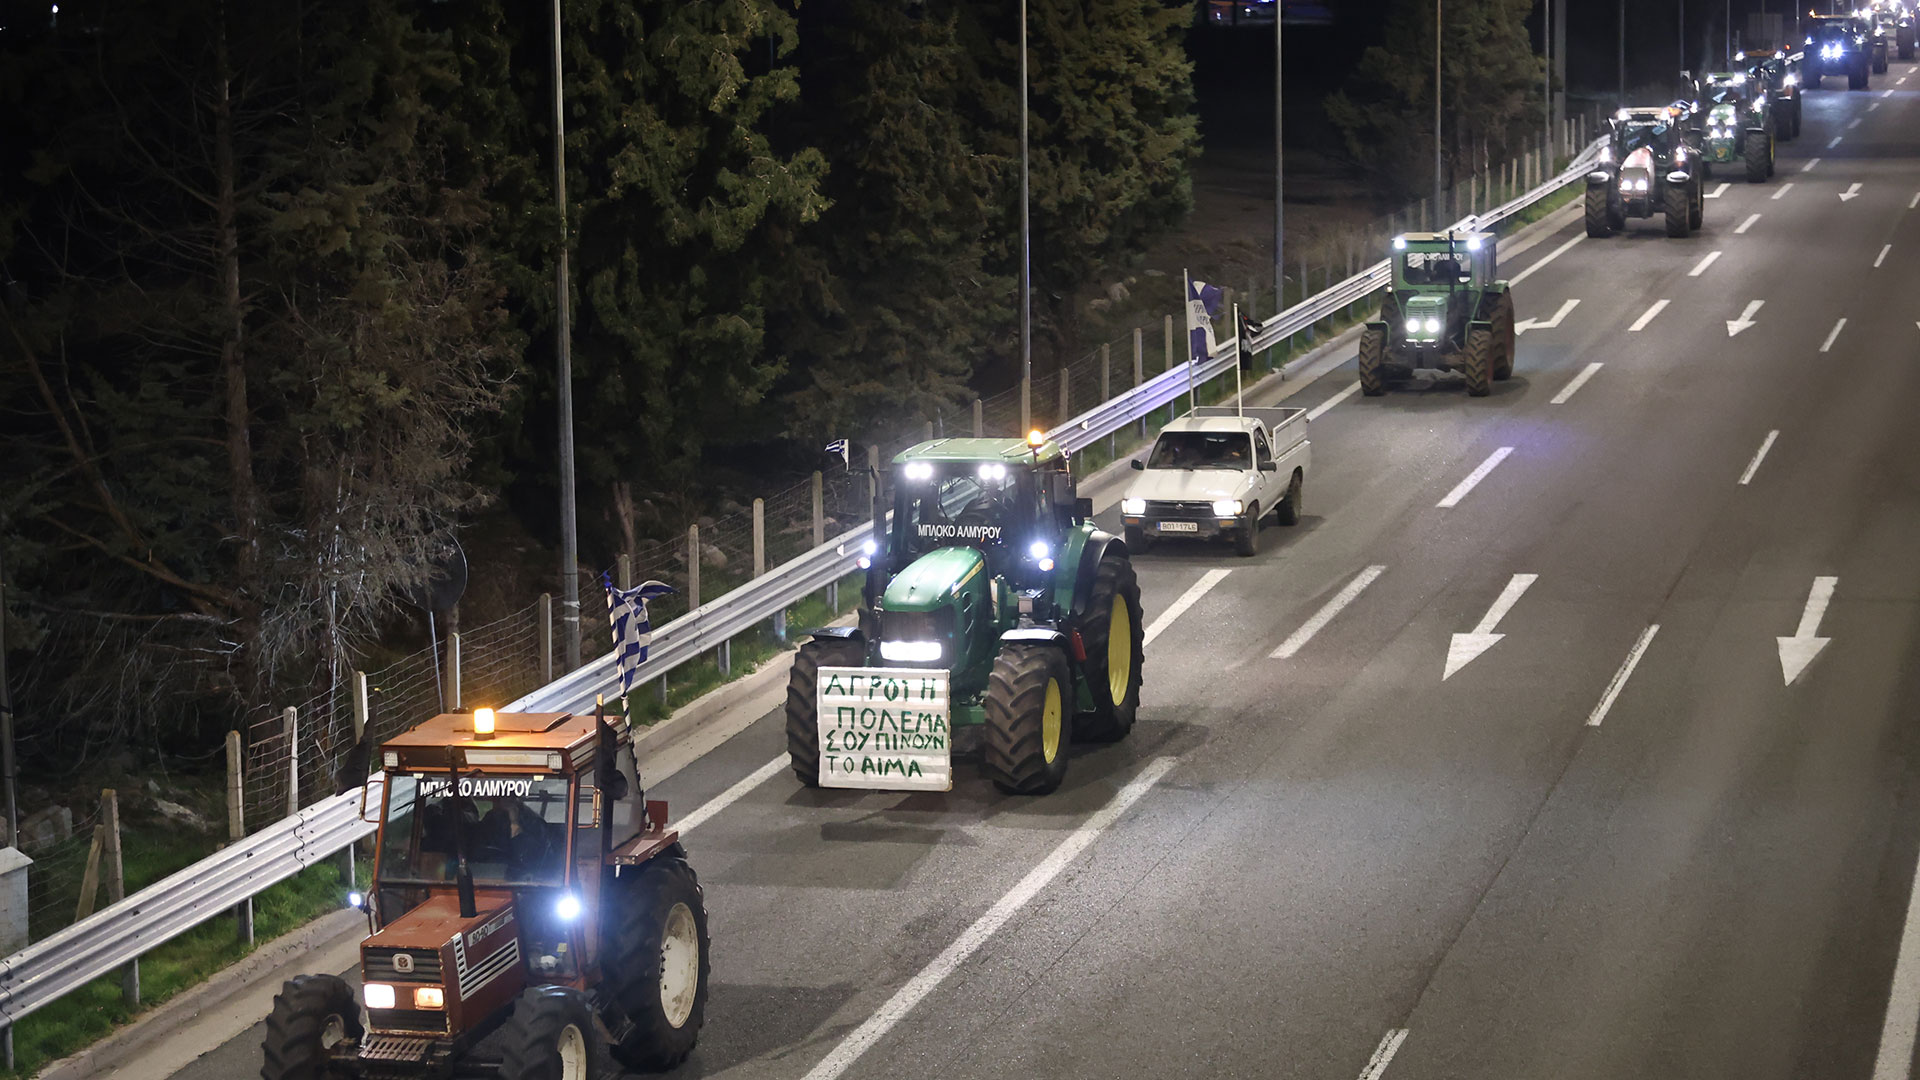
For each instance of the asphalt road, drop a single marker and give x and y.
(1342, 864)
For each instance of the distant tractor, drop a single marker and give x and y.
(1739, 125)
(526, 898)
(1837, 45)
(1777, 75)
(1444, 310)
(1649, 166)
(1013, 623)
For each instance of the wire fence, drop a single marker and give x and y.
(55, 877)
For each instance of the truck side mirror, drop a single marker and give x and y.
(1269, 466)
(1083, 509)
(1138, 465)
(1061, 489)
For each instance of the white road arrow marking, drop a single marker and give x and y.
(1640, 323)
(1473, 478)
(1747, 224)
(1466, 648)
(1832, 335)
(1851, 193)
(1701, 267)
(1579, 381)
(1882, 257)
(1753, 466)
(1717, 192)
(1745, 321)
(1525, 325)
(1798, 651)
(1784, 188)
(1298, 640)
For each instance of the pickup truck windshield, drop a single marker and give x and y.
(1202, 450)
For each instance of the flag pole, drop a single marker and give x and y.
(1186, 296)
(1239, 402)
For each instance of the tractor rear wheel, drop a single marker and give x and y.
(657, 967)
(1029, 707)
(1476, 361)
(1288, 512)
(1372, 361)
(1113, 634)
(803, 700)
(1679, 207)
(1754, 149)
(1857, 81)
(1599, 223)
(1504, 337)
(1698, 205)
(311, 1015)
(550, 1036)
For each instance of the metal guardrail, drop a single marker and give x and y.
(121, 932)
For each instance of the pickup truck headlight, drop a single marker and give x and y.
(1133, 507)
(1227, 507)
(910, 652)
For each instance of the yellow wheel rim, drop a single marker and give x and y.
(1119, 651)
(1050, 722)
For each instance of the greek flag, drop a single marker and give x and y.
(1203, 303)
(632, 632)
(839, 446)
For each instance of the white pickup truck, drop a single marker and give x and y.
(1216, 472)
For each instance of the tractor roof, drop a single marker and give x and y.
(568, 734)
(1456, 239)
(1009, 451)
(1726, 78)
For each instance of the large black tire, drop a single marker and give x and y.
(656, 916)
(1137, 539)
(311, 1015)
(1115, 638)
(1697, 205)
(1679, 207)
(803, 701)
(1372, 361)
(1246, 538)
(1029, 707)
(1756, 150)
(1505, 340)
(550, 1036)
(1476, 361)
(1599, 221)
(1287, 512)
(1857, 81)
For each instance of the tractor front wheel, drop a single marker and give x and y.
(550, 1036)
(1114, 636)
(312, 1014)
(1476, 361)
(1679, 206)
(1372, 361)
(658, 968)
(1599, 221)
(1505, 339)
(1754, 149)
(803, 700)
(1029, 707)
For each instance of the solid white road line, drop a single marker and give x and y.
(1837, 327)
(1620, 677)
(1299, 638)
(1717, 192)
(1320, 410)
(1835, 142)
(1579, 381)
(1640, 323)
(1753, 466)
(1784, 188)
(1187, 599)
(1544, 260)
(1882, 257)
(1913, 202)
(1808, 167)
(969, 942)
(1383, 1054)
(1895, 1059)
(1460, 490)
(1701, 267)
(730, 796)
(1747, 224)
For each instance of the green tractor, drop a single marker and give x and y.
(1444, 310)
(994, 584)
(1739, 125)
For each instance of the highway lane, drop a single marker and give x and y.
(1710, 883)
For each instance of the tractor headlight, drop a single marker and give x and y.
(429, 997)
(1606, 153)
(993, 471)
(567, 908)
(1133, 507)
(1640, 185)
(355, 900)
(1413, 325)
(1792, 79)
(1227, 507)
(379, 996)
(1399, 243)
(1679, 155)
(1432, 324)
(910, 652)
(1473, 243)
(918, 470)
(867, 551)
(1042, 554)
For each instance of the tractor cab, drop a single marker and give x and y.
(1731, 104)
(1439, 280)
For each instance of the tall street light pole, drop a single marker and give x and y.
(1546, 83)
(1279, 170)
(1436, 112)
(1026, 249)
(569, 525)
(1622, 95)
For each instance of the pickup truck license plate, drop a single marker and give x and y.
(1179, 526)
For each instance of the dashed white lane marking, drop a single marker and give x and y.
(1320, 410)
(1383, 1054)
(1784, 188)
(1187, 599)
(1579, 381)
(1884, 94)
(1299, 638)
(1882, 257)
(1640, 323)
(1701, 266)
(1873, 106)
(969, 942)
(1913, 202)
(1834, 333)
(1835, 142)
(1719, 191)
(1895, 1059)
(1747, 224)
(1808, 167)
(1547, 258)
(1854, 124)
(1473, 478)
(1620, 677)
(730, 796)
(1901, 81)
(1753, 466)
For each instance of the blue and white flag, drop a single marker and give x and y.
(839, 446)
(1203, 303)
(632, 631)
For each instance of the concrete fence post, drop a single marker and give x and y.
(979, 419)
(544, 615)
(693, 566)
(1139, 375)
(290, 720)
(623, 570)
(453, 672)
(1106, 388)
(117, 886)
(90, 877)
(926, 432)
(237, 825)
(1306, 290)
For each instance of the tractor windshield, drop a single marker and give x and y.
(1202, 450)
(1637, 134)
(516, 829)
(1436, 267)
(977, 504)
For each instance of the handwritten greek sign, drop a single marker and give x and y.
(887, 728)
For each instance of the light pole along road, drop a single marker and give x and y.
(1639, 825)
